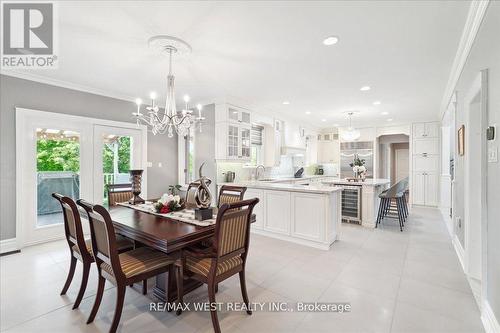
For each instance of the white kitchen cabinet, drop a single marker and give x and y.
(328, 151)
(308, 216)
(426, 130)
(271, 146)
(294, 136)
(258, 210)
(232, 141)
(425, 163)
(277, 220)
(426, 146)
(425, 188)
(225, 112)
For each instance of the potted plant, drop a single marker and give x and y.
(358, 167)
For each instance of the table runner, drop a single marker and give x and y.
(185, 215)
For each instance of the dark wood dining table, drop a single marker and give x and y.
(164, 234)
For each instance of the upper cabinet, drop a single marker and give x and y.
(425, 130)
(328, 148)
(294, 136)
(232, 133)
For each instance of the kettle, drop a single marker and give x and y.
(230, 175)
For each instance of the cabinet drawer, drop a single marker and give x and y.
(426, 146)
(422, 163)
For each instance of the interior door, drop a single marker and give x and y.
(402, 163)
(117, 150)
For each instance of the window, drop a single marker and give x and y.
(256, 151)
(186, 158)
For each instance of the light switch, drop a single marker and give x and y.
(160, 164)
(150, 164)
(492, 154)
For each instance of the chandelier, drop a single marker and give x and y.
(169, 119)
(351, 133)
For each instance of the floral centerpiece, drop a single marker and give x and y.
(358, 166)
(170, 202)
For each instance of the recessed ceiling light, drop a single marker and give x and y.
(390, 119)
(308, 112)
(286, 102)
(330, 40)
(323, 120)
(365, 88)
(377, 103)
(385, 113)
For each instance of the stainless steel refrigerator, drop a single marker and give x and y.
(364, 149)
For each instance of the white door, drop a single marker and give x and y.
(117, 150)
(401, 161)
(51, 157)
(55, 153)
(431, 189)
(418, 188)
(419, 130)
(431, 130)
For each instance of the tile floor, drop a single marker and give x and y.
(395, 282)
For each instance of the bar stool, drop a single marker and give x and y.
(394, 194)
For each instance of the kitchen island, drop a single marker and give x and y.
(304, 214)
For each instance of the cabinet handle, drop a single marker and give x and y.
(424, 154)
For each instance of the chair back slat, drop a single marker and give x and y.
(119, 193)
(72, 222)
(232, 230)
(231, 194)
(103, 237)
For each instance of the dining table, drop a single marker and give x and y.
(164, 234)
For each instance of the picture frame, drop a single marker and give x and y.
(461, 140)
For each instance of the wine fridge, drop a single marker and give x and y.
(351, 203)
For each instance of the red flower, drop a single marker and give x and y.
(164, 210)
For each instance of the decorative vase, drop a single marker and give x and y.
(136, 180)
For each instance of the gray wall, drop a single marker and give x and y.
(486, 54)
(16, 92)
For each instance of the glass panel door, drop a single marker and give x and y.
(57, 170)
(117, 151)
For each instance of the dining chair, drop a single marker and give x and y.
(120, 269)
(230, 194)
(80, 249)
(119, 193)
(226, 257)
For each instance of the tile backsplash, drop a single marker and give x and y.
(286, 168)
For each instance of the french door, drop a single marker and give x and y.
(70, 155)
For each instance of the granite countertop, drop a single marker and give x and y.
(367, 182)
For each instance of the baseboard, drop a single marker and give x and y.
(46, 240)
(8, 245)
(488, 318)
(460, 251)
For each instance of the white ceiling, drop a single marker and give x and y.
(266, 52)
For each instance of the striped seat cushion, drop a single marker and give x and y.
(202, 266)
(139, 261)
(122, 243)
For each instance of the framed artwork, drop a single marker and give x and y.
(461, 140)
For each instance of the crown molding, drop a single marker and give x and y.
(66, 84)
(477, 11)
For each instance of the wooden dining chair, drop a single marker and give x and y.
(80, 249)
(226, 257)
(120, 269)
(230, 194)
(119, 193)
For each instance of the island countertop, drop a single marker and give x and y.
(279, 186)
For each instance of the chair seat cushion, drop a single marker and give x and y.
(140, 261)
(202, 266)
(122, 243)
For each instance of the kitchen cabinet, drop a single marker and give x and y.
(426, 146)
(258, 210)
(294, 136)
(426, 130)
(425, 162)
(272, 146)
(308, 223)
(232, 133)
(328, 150)
(277, 220)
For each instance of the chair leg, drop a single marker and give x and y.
(120, 297)
(83, 286)
(213, 312)
(180, 287)
(72, 266)
(380, 209)
(98, 298)
(144, 287)
(400, 217)
(243, 286)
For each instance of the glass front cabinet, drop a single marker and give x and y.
(232, 135)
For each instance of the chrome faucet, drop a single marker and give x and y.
(257, 175)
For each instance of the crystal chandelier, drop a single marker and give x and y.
(169, 119)
(351, 133)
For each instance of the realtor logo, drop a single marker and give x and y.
(28, 35)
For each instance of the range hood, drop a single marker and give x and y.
(293, 151)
